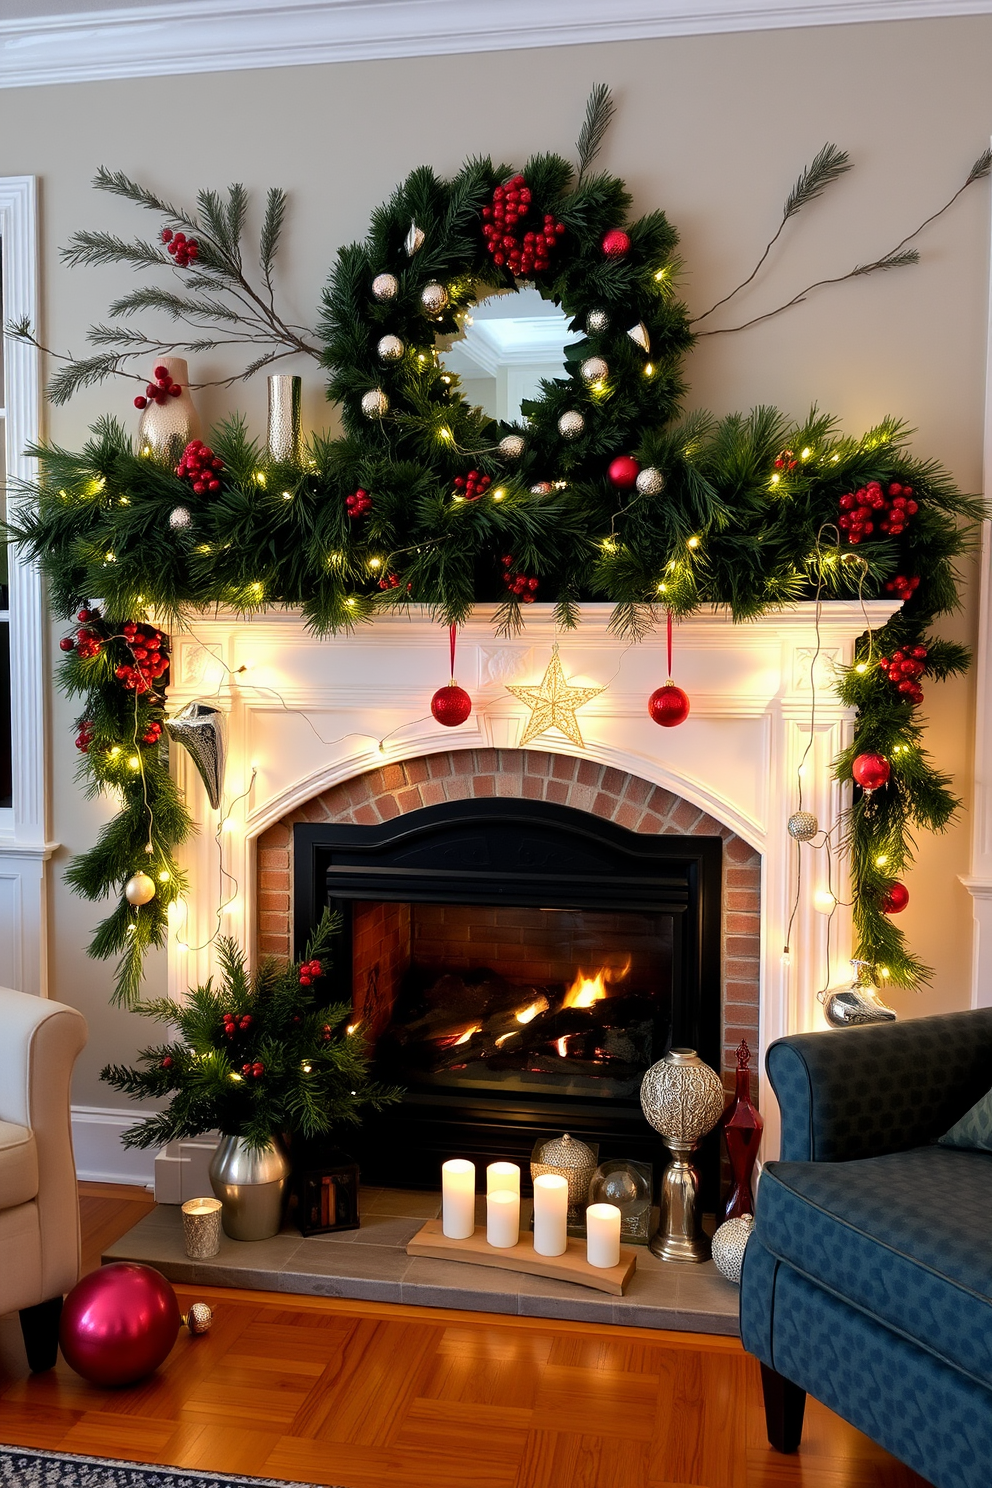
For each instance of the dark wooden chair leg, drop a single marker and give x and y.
(40, 1326)
(785, 1405)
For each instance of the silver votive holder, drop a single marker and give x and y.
(284, 437)
(201, 1228)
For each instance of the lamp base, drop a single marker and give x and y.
(680, 1234)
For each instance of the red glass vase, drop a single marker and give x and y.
(742, 1127)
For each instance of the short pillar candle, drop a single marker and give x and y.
(603, 1235)
(550, 1214)
(503, 1177)
(502, 1218)
(201, 1228)
(458, 1198)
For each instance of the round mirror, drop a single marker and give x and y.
(508, 345)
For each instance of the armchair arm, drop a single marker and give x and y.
(886, 1087)
(39, 1042)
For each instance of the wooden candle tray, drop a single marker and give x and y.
(571, 1265)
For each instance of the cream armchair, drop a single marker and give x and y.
(39, 1208)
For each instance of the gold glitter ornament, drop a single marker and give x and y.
(199, 1319)
(650, 482)
(179, 517)
(597, 321)
(554, 704)
(433, 297)
(512, 446)
(390, 349)
(571, 424)
(375, 404)
(139, 889)
(802, 826)
(594, 369)
(385, 287)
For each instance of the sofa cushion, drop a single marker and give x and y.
(18, 1165)
(974, 1129)
(907, 1238)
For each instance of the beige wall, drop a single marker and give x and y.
(714, 130)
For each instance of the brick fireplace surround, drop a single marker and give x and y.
(394, 789)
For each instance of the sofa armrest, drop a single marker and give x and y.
(886, 1087)
(39, 1043)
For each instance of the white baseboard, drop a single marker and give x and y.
(181, 1169)
(100, 1155)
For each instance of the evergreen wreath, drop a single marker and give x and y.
(604, 493)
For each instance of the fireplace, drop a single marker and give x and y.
(515, 966)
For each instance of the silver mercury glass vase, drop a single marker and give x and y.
(683, 1099)
(251, 1184)
(284, 436)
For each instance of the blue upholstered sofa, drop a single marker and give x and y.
(867, 1281)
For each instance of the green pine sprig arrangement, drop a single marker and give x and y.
(256, 1054)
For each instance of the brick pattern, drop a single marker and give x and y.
(518, 774)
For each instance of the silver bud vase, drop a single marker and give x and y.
(284, 437)
(165, 429)
(251, 1183)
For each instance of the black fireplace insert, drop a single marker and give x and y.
(515, 966)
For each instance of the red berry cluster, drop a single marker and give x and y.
(167, 1062)
(201, 466)
(326, 1033)
(894, 509)
(183, 249)
(88, 642)
(473, 485)
(902, 587)
(156, 392)
(510, 203)
(152, 733)
(309, 972)
(149, 659)
(233, 1025)
(253, 1071)
(786, 461)
(85, 736)
(518, 584)
(358, 504)
(903, 670)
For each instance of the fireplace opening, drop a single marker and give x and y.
(515, 966)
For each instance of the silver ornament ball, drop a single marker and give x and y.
(385, 287)
(597, 321)
(375, 404)
(199, 1319)
(802, 826)
(433, 297)
(512, 446)
(594, 369)
(571, 424)
(729, 1244)
(650, 481)
(139, 889)
(390, 349)
(179, 517)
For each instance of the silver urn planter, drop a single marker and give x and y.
(251, 1183)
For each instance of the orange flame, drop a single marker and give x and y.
(527, 1014)
(473, 1028)
(563, 1047)
(584, 991)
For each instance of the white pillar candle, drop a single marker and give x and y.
(502, 1218)
(458, 1198)
(503, 1177)
(603, 1235)
(550, 1214)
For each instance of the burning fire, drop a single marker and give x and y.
(563, 1047)
(584, 991)
(527, 1014)
(473, 1028)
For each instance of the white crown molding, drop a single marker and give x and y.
(193, 36)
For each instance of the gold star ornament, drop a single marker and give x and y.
(554, 704)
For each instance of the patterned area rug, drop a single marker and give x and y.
(22, 1467)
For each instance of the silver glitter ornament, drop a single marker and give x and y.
(199, 1319)
(597, 321)
(385, 287)
(594, 369)
(375, 404)
(543, 488)
(414, 240)
(729, 1244)
(433, 298)
(390, 349)
(802, 826)
(201, 729)
(639, 334)
(571, 424)
(650, 481)
(179, 517)
(512, 446)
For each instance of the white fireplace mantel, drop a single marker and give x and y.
(305, 714)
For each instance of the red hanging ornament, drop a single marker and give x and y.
(623, 472)
(616, 243)
(871, 771)
(669, 705)
(895, 899)
(451, 705)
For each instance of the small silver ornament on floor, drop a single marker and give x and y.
(639, 335)
(385, 287)
(433, 298)
(650, 481)
(597, 321)
(594, 369)
(683, 1099)
(729, 1244)
(512, 446)
(375, 404)
(802, 826)
(414, 240)
(858, 1003)
(571, 424)
(180, 517)
(199, 1319)
(284, 431)
(390, 349)
(201, 729)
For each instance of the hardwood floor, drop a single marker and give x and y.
(365, 1395)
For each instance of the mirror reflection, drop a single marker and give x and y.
(508, 344)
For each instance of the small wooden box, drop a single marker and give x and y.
(326, 1192)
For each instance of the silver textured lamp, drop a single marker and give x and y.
(683, 1099)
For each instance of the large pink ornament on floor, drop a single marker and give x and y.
(119, 1323)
